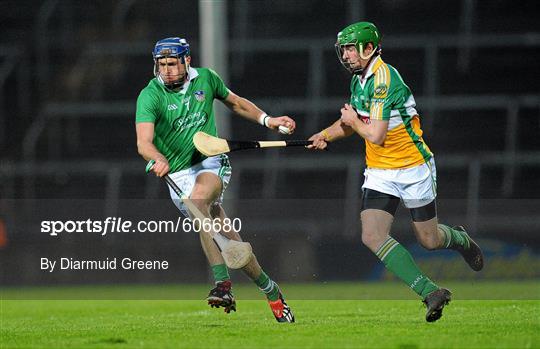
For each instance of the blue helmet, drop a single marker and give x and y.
(171, 48)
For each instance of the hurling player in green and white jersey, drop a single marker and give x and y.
(400, 165)
(173, 106)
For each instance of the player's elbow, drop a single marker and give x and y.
(141, 146)
(241, 107)
(376, 132)
(377, 139)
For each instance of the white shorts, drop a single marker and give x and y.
(185, 179)
(416, 186)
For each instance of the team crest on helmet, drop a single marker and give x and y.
(199, 95)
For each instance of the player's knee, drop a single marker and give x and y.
(199, 195)
(201, 199)
(203, 196)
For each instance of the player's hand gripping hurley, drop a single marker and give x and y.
(210, 145)
(236, 254)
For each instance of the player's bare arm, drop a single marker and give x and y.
(374, 131)
(147, 149)
(334, 132)
(250, 111)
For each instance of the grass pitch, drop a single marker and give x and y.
(337, 315)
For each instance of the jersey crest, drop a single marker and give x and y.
(199, 95)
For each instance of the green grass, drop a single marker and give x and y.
(482, 315)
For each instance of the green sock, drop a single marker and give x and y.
(221, 273)
(268, 286)
(453, 237)
(400, 262)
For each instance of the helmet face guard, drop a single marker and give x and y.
(358, 35)
(171, 48)
(340, 49)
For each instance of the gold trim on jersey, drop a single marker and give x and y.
(398, 150)
(373, 67)
(381, 85)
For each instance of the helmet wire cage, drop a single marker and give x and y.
(174, 47)
(358, 35)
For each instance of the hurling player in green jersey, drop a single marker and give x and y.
(400, 165)
(173, 106)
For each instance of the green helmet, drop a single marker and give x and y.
(358, 34)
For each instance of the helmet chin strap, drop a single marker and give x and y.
(361, 52)
(172, 85)
(368, 57)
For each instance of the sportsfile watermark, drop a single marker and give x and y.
(145, 249)
(121, 225)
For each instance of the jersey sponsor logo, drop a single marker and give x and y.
(189, 121)
(199, 95)
(172, 107)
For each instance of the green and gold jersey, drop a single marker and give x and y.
(178, 115)
(383, 95)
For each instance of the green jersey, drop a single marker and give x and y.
(178, 115)
(383, 95)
